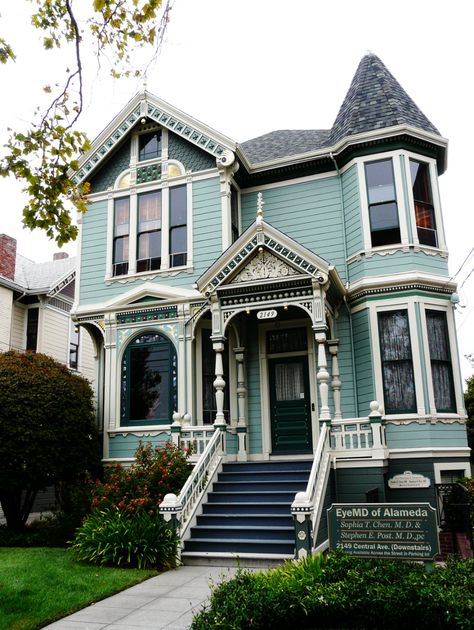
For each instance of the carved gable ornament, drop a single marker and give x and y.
(264, 266)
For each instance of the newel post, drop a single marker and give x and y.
(302, 510)
(376, 424)
(171, 510)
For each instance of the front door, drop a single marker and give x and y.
(290, 405)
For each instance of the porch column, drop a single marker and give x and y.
(333, 346)
(323, 377)
(219, 383)
(241, 405)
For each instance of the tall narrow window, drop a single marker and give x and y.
(149, 146)
(234, 213)
(149, 381)
(178, 227)
(397, 364)
(32, 329)
(383, 210)
(121, 235)
(440, 356)
(422, 197)
(149, 231)
(74, 348)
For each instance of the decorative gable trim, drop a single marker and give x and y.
(264, 266)
(60, 284)
(145, 105)
(261, 236)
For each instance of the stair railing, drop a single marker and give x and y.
(307, 506)
(179, 510)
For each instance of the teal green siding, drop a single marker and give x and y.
(363, 362)
(231, 444)
(207, 243)
(352, 484)
(398, 262)
(352, 211)
(108, 172)
(308, 212)
(121, 446)
(193, 158)
(416, 435)
(343, 333)
(253, 390)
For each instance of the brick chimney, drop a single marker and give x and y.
(7, 256)
(60, 256)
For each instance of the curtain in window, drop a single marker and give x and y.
(440, 356)
(397, 365)
(289, 383)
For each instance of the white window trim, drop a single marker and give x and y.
(440, 305)
(132, 193)
(384, 306)
(433, 173)
(439, 468)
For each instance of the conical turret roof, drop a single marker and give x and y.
(376, 100)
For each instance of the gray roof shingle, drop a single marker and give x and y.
(375, 100)
(34, 276)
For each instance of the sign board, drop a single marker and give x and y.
(384, 530)
(408, 480)
(270, 314)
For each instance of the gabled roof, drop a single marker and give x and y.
(376, 100)
(283, 143)
(43, 277)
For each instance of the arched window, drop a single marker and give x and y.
(149, 381)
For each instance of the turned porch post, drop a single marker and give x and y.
(323, 377)
(219, 383)
(333, 346)
(241, 405)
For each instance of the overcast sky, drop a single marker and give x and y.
(248, 67)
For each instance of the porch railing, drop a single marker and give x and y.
(308, 505)
(365, 436)
(194, 437)
(179, 510)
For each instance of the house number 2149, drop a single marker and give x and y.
(267, 314)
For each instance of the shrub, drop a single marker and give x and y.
(143, 485)
(140, 540)
(47, 430)
(344, 592)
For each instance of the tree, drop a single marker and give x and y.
(47, 430)
(45, 156)
(469, 402)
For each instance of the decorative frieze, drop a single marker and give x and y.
(157, 314)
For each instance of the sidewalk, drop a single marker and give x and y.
(167, 601)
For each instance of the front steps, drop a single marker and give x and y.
(248, 514)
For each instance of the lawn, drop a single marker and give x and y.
(41, 585)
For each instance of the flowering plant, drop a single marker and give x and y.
(143, 485)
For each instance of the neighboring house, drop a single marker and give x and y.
(274, 290)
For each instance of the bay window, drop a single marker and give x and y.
(382, 200)
(423, 202)
(440, 359)
(397, 363)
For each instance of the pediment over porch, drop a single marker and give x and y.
(263, 254)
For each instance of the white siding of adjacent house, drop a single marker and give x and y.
(5, 317)
(55, 335)
(87, 362)
(18, 333)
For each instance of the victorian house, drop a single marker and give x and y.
(283, 304)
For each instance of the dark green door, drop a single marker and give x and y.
(290, 405)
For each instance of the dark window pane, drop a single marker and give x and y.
(32, 329)
(178, 240)
(420, 178)
(149, 385)
(121, 249)
(234, 211)
(149, 145)
(440, 356)
(292, 340)
(380, 181)
(149, 245)
(397, 364)
(74, 348)
(178, 206)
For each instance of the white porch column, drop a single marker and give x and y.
(219, 383)
(323, 376)
(241, 405)
(333, 346)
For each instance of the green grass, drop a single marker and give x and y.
(41, 585)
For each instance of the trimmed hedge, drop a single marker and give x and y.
(338, 591)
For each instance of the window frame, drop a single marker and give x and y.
(372, 206)
(74, 348)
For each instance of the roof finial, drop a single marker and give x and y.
(260, 204)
